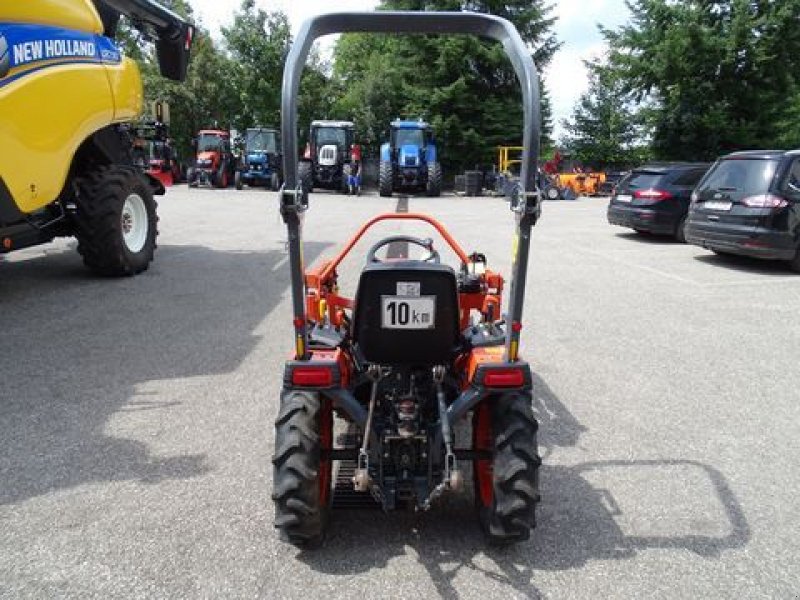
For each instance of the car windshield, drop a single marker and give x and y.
(409, 137)
(740, 177)
(261, 141)
(640, 180)
(209, 142)
(331, 135)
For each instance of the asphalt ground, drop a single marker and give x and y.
(136, 418)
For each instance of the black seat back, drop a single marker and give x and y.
(406, 313)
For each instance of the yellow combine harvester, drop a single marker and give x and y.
(66, 95)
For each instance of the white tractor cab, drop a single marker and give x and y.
(327, 155)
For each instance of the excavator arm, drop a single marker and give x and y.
(173, 35)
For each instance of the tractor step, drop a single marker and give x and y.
(344, 496)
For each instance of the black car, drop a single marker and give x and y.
(655, 198)
(749, 203)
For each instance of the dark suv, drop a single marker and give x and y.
(749, 203)
(655, 198)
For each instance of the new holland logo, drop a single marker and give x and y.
(5, 57)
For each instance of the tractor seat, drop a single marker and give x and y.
(406, 313)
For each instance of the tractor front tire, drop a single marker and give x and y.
(237, 180)
(301, 477)
(507, 487)
(434, 187)
(115, 221)
(191, 177)
(221, 178)
(305, 175)
(274, 182)
(385, 179)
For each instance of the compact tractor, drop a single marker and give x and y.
(261, 160)
(408, 160)
(154, 153)
(67, 97)
(422, 348)
(326, 160)
(215, 164)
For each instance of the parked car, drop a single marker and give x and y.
(655, 198)
(749, 203)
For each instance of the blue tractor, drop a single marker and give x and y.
(408, 160)
(261, 160)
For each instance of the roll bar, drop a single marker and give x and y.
(526, 201)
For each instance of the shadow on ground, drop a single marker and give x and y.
(590, 511)
(747, 264)
(81, 345)
(646, 237)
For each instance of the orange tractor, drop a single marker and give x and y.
(215, 164)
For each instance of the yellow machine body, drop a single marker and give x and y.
(61, 81)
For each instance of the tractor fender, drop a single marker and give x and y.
(156, 185)
(386, 153)
(430, 153)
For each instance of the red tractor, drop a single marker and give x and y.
(422, 348)
(215, 164)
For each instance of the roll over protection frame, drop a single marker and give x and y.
(525, 202)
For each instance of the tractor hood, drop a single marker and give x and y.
(257, 158)
(207, 158)
(410, 156)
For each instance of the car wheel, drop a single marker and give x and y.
(795, 262)
(680, 231)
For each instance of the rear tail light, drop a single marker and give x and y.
(765, 201)
(652, 195)
(504, 378)
(312, 376)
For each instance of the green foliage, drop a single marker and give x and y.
(465, 87)
(605, 131)
(721, 75)
(257, 42)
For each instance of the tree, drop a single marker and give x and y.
(257, 42)
(604, 130)
(718, 73)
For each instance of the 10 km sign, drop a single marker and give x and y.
(408, 312)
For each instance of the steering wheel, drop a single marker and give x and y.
(427, 243)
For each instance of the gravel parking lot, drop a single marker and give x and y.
(136, 418)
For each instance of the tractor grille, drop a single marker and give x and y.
(327, 155)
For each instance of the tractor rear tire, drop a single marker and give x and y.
(237, 180)
(507, 508)
(301, 477)
(305, 176)
(434, 187)
(386, 179)
(115, 221)
(344, 186)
